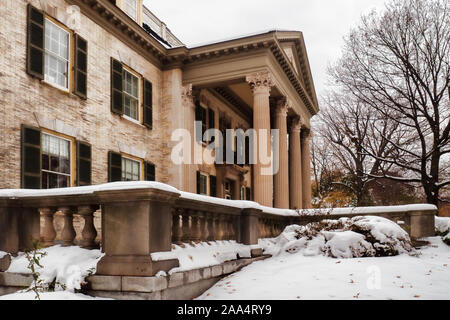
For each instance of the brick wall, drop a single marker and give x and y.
(21, 97)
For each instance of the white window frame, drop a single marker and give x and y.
(134, 160)
(139, 79)
(69, 50)
(207, 184)
(70, 158)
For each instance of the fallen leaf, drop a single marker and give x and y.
(416, 296)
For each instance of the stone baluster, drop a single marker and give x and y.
(186, 226)
(231, 233)
(89, 233)
(68, 233)
(48, 231)
(217, 231)
(177, 230)
(205, 228)
(196, 226)
(220, 231)
(210, 226)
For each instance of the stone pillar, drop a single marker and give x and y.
(48, 233)
(249, 233)
(281, 179)
(261, 84)
(189, 173)
(306, 168)
(136, 223)
(295, 165)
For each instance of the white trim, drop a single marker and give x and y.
(56, 125)
(69, 51)
(132, 151)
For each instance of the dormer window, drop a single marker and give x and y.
(131, 8)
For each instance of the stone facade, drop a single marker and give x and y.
(218, 76)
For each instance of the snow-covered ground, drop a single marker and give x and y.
(295, 276)
(340, 260)
(59, 295)
(195, 256)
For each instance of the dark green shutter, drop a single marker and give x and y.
(116, 87)
(31, 158)
(114, 167)
(80, 67)
(35, 42)
(84, 164)
(248, 192)
(198, 182)
(150, 171)
(148, 104)
(213, 186)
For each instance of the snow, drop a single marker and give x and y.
(201, 255)
(59, 295)
(442, 224)
(114, 186)
(68, 265)
(296, 276)
(2, 254)
(362, 236)
(241, 204)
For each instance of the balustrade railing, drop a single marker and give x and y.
(138, 219)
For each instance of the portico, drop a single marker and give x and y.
(261, 82)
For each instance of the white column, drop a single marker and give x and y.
(295, 165)
(281, 179)
(261, 84)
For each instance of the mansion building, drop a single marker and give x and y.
(92, 90)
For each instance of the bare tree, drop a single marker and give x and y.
(397, 63)
(349, 127)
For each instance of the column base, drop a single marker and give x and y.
(5, 262)
(133, 266)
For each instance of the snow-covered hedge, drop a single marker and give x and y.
(362, 236)
(443, 228)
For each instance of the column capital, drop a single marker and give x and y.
(282, 105)
(187, 95)
(296, 124)
(260, 82)
(306, 133)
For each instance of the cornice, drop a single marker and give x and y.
(115, 20)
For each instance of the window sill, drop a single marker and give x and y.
(136, 122)
(49, 84)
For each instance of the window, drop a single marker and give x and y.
(57, 48)
(131, 169)
(131, 95)
(242, 193)
(56, 168)
(131, 9)
(203, 184)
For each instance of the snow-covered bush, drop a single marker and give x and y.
(365, 236)
(443, 228)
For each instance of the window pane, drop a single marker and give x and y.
(56, 54)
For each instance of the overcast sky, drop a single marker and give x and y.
(323, 22)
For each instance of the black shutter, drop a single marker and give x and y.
(212, 186)
(35, 42)
(114, 167)
(31, 158)
(150, 171)
(204, 117)
(248, 192)
(211, 119)
(116, 87)
(198, 182)
(84, 164)
(80, 67)
(148, 104)
(198, 117)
